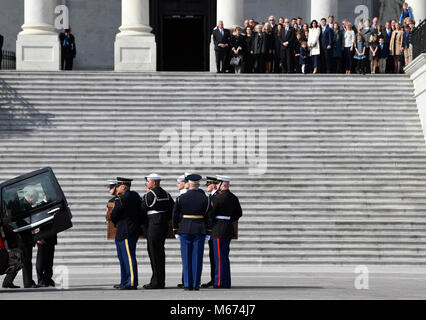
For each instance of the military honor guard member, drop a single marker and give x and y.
(225, 209)
(211, 185)
(190, 226)
(127, 218)
(181, 186)
(112, 187)
(157, 204)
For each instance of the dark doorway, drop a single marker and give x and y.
(183, 43)
(182, 30)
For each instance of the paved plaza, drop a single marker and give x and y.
(249, 283)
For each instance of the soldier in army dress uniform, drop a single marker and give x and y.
(225, 209)
(190, 226)
(211, 185)
(127, 218)
(157, 205)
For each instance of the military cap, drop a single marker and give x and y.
(181, 178)
(125, 181)
(211, 180)
(153, 176)
(223, 178)
(112, 183)
(193, 178)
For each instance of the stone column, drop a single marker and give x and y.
(323, 9)
(419, 9)
(37, 45)
(135, 47)
(231, 12)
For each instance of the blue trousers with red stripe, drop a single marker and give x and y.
(222, 277)
(126, 253)
(192, 250)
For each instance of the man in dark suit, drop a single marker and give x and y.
(387, 35)
(68, 49)
(1, 48)
(221, 39)
(44, 263)
(326, 44)
(288, 36)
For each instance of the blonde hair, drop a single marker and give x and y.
(372, 38)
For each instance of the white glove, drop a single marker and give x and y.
(207, 238)
(177, 236)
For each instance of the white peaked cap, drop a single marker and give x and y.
(181, 178)
(153, 176)
(223, 178)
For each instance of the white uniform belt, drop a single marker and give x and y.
(223, 218)
(154, 212)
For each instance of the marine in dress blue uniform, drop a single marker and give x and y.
(190, 226)
(211, 184)
(127, 218)
(225, 209)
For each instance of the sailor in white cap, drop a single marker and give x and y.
(157, 204)
(225, 209)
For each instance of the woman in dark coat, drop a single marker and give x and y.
(238, 49)
(249, 61)
(277, 68)
(270, 47)
(259, 50)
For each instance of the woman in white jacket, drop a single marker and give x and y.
(349, 47)
(314, 44)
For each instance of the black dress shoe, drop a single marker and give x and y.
(31, 285)
(51, 283)
(180, 285)
(42, 285)
(10, 286)
(150, 286)
(207, 285)
(117, 286)
(197, 288)
(128, 288)
(216, 287)
(188, 288)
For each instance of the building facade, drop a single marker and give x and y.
(148, 35)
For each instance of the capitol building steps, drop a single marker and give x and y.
(329, 169)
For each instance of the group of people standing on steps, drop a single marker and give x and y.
(324, 46)
(193, 218)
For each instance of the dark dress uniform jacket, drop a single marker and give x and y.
(127, 216)
(193, 202)
(224, 204)
(159, 200)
